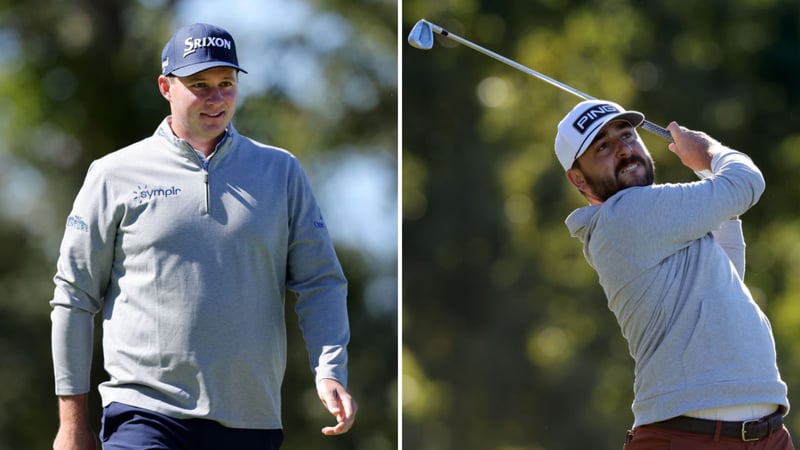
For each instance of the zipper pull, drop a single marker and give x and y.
(208, 192)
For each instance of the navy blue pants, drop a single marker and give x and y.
(128, 428)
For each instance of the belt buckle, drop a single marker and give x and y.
(744, 431)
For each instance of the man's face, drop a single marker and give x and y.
(616, 159)
(202, 105)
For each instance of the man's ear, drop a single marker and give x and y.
(575, 176)
(164, 87)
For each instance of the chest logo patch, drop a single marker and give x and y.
(144, 194)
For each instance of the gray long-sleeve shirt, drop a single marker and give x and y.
(697, 338)
(189, 266)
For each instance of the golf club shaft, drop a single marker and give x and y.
(647, 125)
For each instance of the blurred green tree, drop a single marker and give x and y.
(507, 340)
(78, 80)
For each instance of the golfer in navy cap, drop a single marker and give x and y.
(185, 243)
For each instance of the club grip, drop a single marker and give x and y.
(657, 130)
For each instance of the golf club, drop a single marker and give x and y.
(421, 37)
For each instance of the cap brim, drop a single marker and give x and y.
(635, 118)
(192, 69)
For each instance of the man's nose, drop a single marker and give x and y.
(215, 96)
(624, 148)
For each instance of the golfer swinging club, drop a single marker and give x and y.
(670, 258)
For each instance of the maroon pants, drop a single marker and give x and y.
(650, 437)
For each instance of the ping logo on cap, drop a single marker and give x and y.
(591, 115)
(191, 44)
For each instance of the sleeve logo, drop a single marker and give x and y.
(77, 223)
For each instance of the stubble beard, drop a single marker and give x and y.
(606, 187)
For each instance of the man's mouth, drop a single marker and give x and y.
(214, 116)
(628, 168)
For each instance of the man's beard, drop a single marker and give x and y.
(607, 186)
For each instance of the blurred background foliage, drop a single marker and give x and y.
(78, 80)
(507, 340)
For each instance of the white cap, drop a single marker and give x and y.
(577, 130)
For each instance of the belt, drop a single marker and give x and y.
(748, 430)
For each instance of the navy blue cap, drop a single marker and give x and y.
(198, 47)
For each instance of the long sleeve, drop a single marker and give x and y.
(731, 239)
(316, 277)
(82, 276)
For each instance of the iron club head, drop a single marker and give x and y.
(421, 36)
